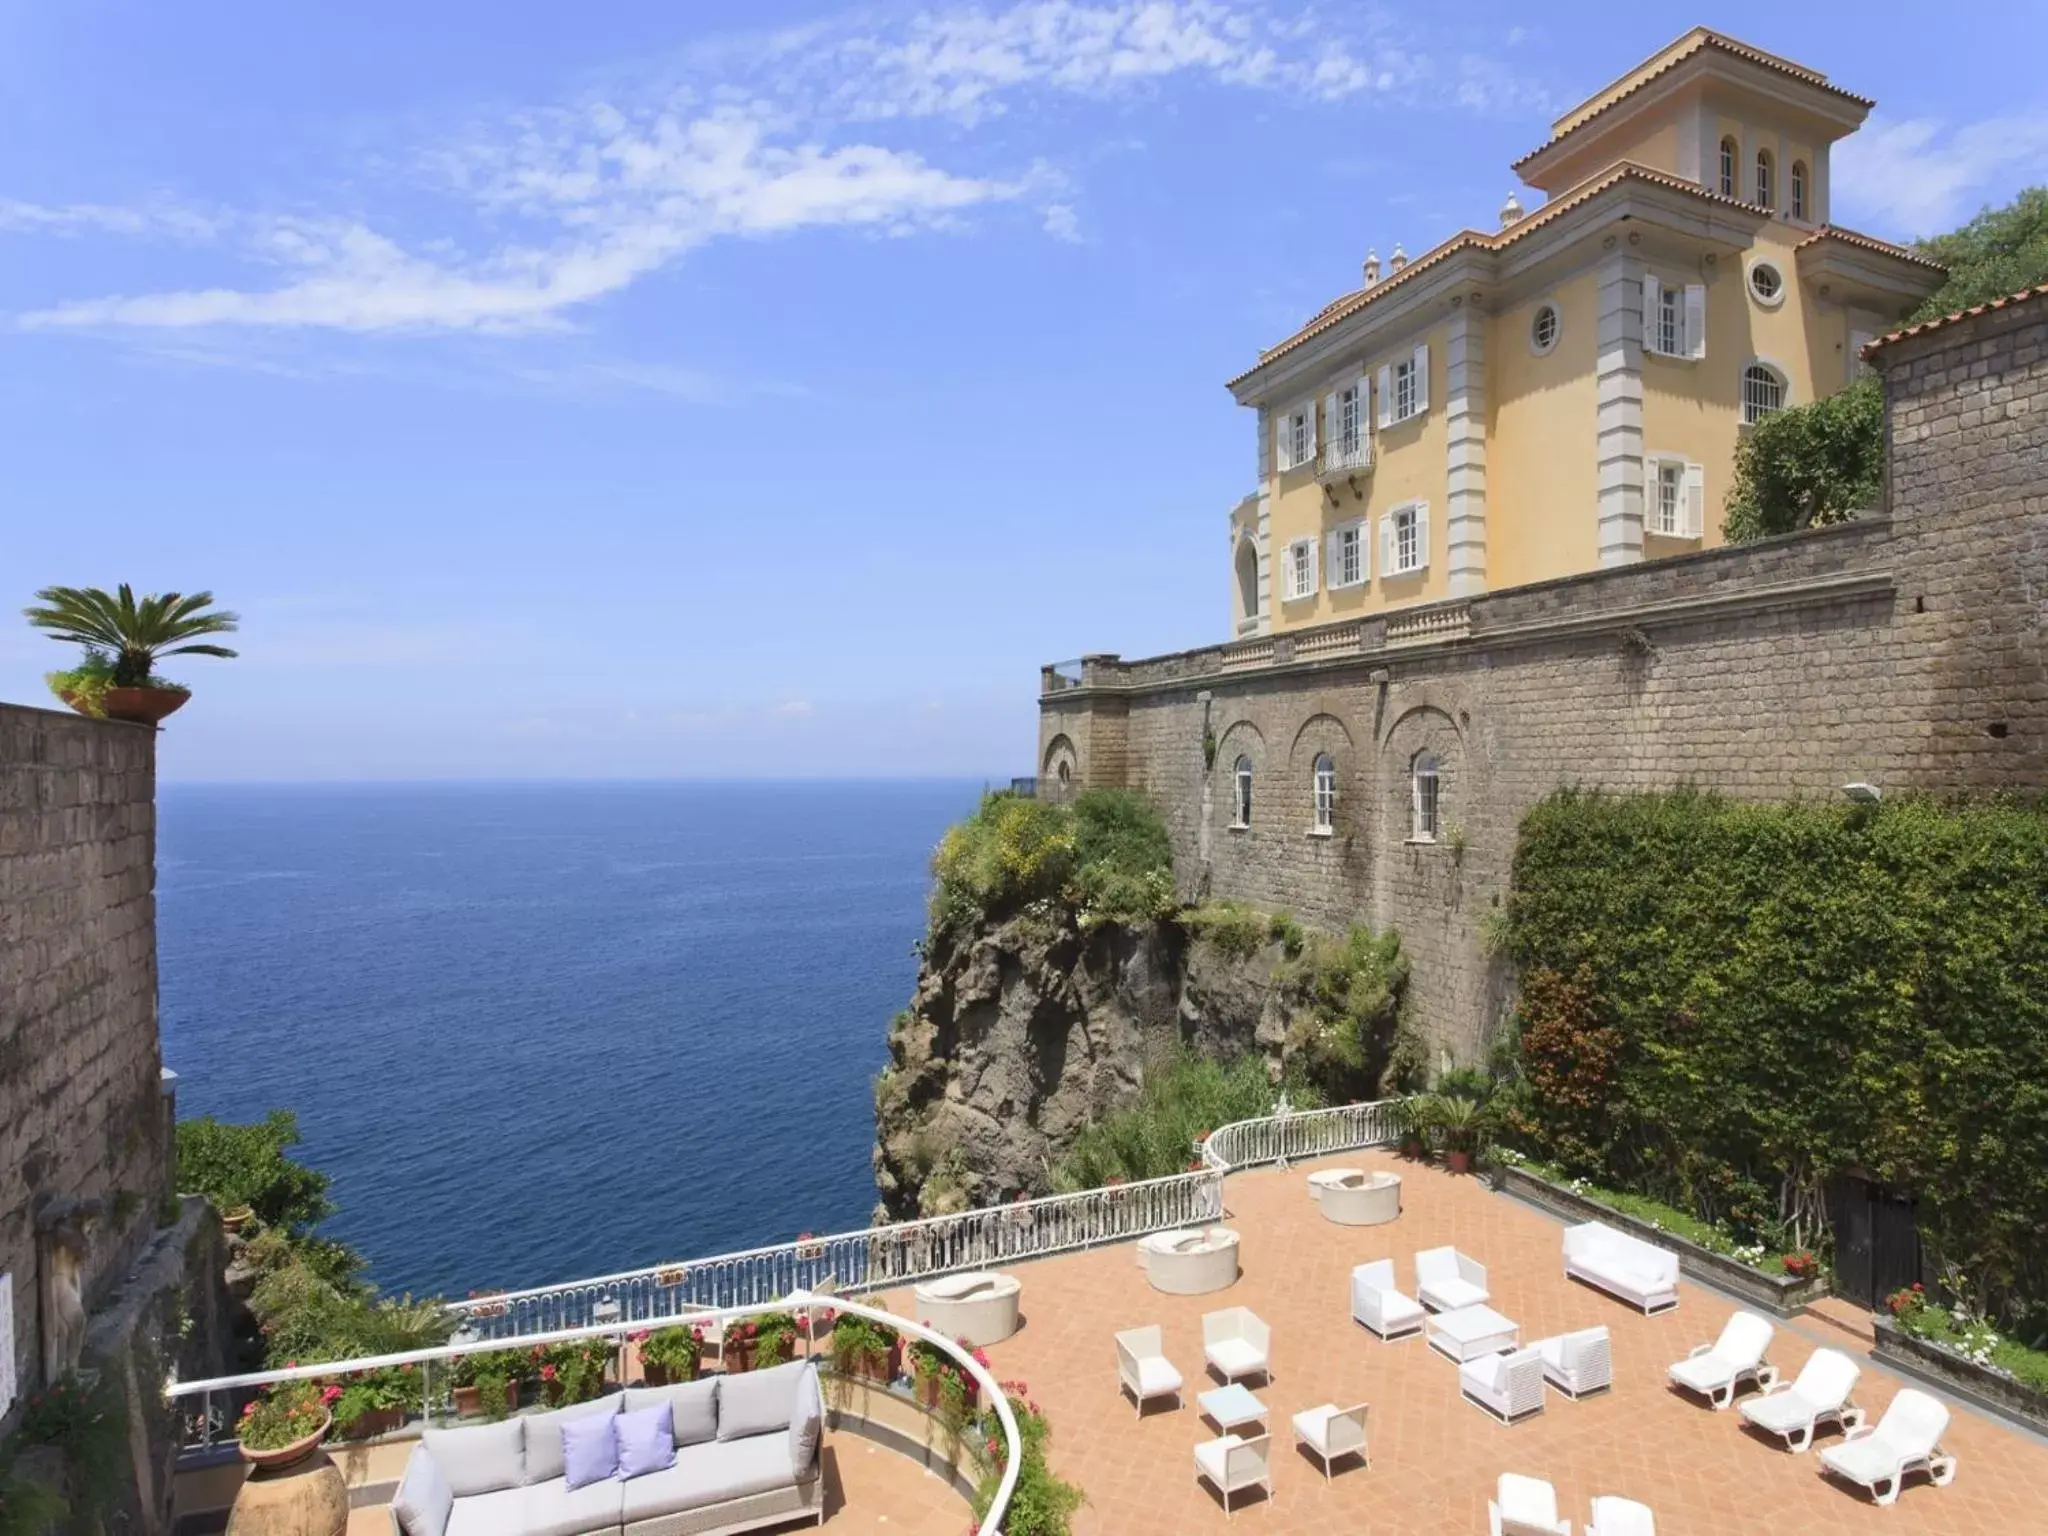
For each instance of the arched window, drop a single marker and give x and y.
(1066, 771)
(1248, 604)
(1728, 167)
(1763, 179)
(1798, 189)
(1423, 784)
(1326, 792)
(1763, 391)
(1241, 784)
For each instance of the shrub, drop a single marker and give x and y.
(1343, 1039)
(676, 1350)
(1107, 857)
(288, 1411)
(1724, 1004)
(1185, 1096)
(246, 1165)
(1041, 1504)
(1809, 465)
(1235, 929)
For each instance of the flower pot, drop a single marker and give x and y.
(869, 1364)
(1411, 1147)
(235, 1219)
(276, 1460)
(1458, 1161)
(747, 1355)
(927, 1388)
(469, 1401)
(372, 1423)
(142, 706)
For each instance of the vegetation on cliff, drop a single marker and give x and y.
(1185, 1098)
(1106, 857)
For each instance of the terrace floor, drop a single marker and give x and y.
(1435, 1457)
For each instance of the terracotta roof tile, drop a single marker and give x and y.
(2026, 297)
(1868, 243)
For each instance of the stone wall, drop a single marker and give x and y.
(83, 1113)
(1904, 651)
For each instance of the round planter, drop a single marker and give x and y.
(286, 1456)
(1458, 1162)
(307, 1499)
(143, 706)
(232, 1221)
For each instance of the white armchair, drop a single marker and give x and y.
(1446, 1280)
(1509, 1387)
(1232, 1465)
(1377, 1304)
(1524, 1506)
(1143, 1368)
(1819, 1394)
(1331, 1432)
(1236, 1342)
(1715, 1370)
(1906, 1439)
(1620, 1517)
(1577, 1363)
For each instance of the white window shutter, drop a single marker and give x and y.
(1387, 545)
(1313, 550)
(1333, 559)
(1422, 378)
(1309, 410)
(1283, 443)
(1653, 298)
(1387, 396)
(1421, 535)
(1363, 384)
(1695, 320)
(1694, 510)
(1333, 419)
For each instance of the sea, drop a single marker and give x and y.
(537, 1032)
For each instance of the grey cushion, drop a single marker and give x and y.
(544, 1435)
(547, 1509)
(806, 1426)
(711, 1474)
(693, 1404)
(424, 1498)
(758, 1402)
(482, 1459)
(489, 1514)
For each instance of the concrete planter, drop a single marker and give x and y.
(1778, 1294)
(1937, 1363)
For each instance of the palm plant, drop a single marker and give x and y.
(132, 633)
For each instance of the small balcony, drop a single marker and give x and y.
(1343, 456)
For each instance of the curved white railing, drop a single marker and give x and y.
(1292, 1134)
(238, 1388)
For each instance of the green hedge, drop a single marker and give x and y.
(1723, 1005)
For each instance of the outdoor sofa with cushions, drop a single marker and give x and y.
(1640, 1273)
(746, 1457)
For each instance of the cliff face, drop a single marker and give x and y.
(1023, 1030)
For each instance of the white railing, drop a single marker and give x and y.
(1290, 1135)
(866, 1260)
(234, 1389)
(1342, 458)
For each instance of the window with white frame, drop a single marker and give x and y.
(1728, 167)
(1674, 318)
(1404, 539)
(1766, 284)
(1423, 789)
(1404, 390)
(1404, 387)
(1543, 329)
(1325, 792)
(1241, 792)
(1350, 441)
(1301, 570)
(1763, 392)
(1294, 437)
(1678, 497)
(1798, 189)
(1764, 186)
(1348, 563)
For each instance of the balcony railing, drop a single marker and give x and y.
(1341, 457)
(1058, 676)
(1289, 1135)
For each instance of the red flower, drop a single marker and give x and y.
(330, 1394)
(547, 1373)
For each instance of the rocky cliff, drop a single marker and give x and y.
(1025, 1029)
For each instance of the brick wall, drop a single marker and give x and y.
(1905, 650)
(81, 1105)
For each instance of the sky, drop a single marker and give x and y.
(646, 390)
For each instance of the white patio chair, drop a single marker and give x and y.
(1379, 1306)
(1446, 1280)
(1906, 1439)
(1142, 1367)
(1620, 1517)
(1577, 1363)
(1715, 1370)
(1236, 1342)
(1233, 1465)
(1819, 1394)
(1331, 1432)
(1524, 1506)
(1509, 1387)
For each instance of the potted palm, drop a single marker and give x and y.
(123, 637)
(1459, 1122)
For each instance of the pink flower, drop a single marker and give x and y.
(330, 1395)
(547, 1373)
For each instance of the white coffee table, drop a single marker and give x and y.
(1231, 1406)
(1470, 1332)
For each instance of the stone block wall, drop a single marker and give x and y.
(82, 1109)
(1904, 650)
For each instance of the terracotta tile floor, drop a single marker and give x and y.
(1435, 1457)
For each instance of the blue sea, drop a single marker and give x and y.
(539, 1032)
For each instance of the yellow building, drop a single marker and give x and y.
(1567, 392)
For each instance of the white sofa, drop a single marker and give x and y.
(979, 1308)
(1191, 1261)
(1640, 1273)
(746, 1457)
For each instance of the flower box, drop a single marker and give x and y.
(1783, 1295)
(1985, 1385)
(469, 1401)
(653, 1375)
(373, 1422)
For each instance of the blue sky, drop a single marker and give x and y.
(637, 389)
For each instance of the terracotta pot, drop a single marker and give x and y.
(377, 1421)
(1458, 1162)
(236, 1219)
(286, 1455)
(309, 1499)
(1411, 1146)
(746, 1355)
(143, 706)
(928, 1392)
(870, 1365)
(469, 1401)
(653, 1375)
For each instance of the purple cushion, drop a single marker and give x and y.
(647, 1440)
(590, 1450)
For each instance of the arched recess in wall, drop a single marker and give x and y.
(1240, 743)
(1321, 736)
(1246, 565)
(1061, 769)
(1423, 743)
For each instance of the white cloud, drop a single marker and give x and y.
(1062, 223)
(1922, 177)
(151, 220)
(794, 709)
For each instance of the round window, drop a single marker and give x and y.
(1543, 328)
(1767, 283)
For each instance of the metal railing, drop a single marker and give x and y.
(1059, 675)
(233, 1389)
(866, 1260)
(1290, 1135)
(1341, 458)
